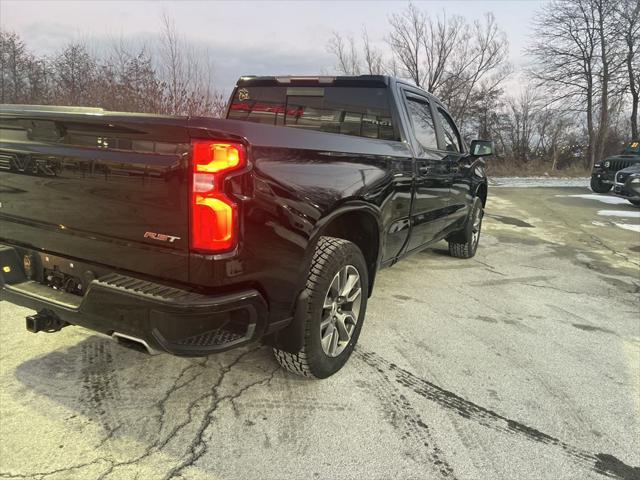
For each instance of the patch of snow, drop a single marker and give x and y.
(619, 213)
(538, 182)
(598, 224)
(600, 198)
(626, 226)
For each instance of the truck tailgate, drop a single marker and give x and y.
(112, 189)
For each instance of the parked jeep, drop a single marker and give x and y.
(603, 174)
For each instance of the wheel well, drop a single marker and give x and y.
(362, 229)
(482, 193)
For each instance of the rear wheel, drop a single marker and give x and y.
(337, 292)
(464, 244)
(598, 186)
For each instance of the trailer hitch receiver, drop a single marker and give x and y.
(45, 321)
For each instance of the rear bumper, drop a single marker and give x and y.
(165, 318)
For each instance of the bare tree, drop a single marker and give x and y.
(40, 78)
(628, 20)
(610, 50)
(350, 61)
(12, 67)
(441, 38)
(23, 77)
(129, 82)
(578, 58)
(565, 56)
(480, 61)
(486, 114)
(122, 78)
(74, 76)
(372, 57)
(448, 57)
(522, 115)
(188, 74)
(552, 126)
(406, 40)
(346, 53)
(173, 63)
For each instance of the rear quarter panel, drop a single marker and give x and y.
(297, 182)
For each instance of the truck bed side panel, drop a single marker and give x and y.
(298, 179)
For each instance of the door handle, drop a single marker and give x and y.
(424, 170)
(454, 164)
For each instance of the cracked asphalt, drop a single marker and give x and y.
(523, 363)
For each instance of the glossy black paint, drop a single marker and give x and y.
(89, 186)
(96, 201)
(627, 183)
(298, 182)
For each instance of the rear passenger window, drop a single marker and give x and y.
(422, 120)
(357, 111)
(451, 136)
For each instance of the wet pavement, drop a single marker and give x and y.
(522, 363)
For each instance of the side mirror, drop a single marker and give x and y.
(481, 148)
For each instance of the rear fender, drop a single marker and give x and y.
(291, 338)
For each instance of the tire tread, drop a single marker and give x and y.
(460, 245)
(459, 250)
(298, 363)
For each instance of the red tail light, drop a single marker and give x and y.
(213, 215)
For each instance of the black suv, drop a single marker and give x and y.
(604, 172)
(627, 184)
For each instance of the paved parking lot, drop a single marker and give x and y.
(523, 363)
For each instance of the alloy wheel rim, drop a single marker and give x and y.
(340, 311)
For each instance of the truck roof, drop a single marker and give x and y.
(55, 111)
(292, 80)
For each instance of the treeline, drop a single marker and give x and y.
(580, 99)
(172, 78)
(578, 104)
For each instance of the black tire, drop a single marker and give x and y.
(464, 244)
(635, 202)
(331, 256)
(598, 186)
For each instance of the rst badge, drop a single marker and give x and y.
(160, 237)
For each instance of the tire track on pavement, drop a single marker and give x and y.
(408, 422)
(602, 463)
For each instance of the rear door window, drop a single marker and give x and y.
(357, 111)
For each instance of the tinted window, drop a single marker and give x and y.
(363, 112)
(633, 147)
(422, 120)
(451, 136)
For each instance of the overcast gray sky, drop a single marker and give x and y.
(246, 37)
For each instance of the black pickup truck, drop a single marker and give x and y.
(196, 235)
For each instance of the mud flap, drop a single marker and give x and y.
(291, 338)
